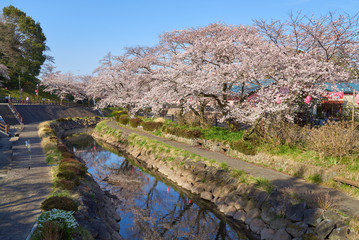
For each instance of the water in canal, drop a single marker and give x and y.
(150, 207)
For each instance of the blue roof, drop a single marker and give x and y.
(342, 87)
(249, 88)
(330, 87)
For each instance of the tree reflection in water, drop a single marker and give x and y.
(149, 208)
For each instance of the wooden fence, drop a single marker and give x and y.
(5, 128)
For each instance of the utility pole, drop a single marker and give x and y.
(19, 89)
(353, 106)
(37, 93)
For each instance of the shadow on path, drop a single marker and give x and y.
(22, 190)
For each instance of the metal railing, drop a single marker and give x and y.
(17, 114)
(48, 102)
(5, 128)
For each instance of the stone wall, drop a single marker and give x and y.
(270, 215)
(286, 165)
(97, 209)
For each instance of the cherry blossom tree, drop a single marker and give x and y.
(206, 63)
(332, 37)
(277, 68)
(64, 85)
(311, 51)
(124, 80)
(203, 64)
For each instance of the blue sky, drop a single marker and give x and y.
(80, 32)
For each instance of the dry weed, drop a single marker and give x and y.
(48, 144)
(335, 139)
(319, 200)
(279, 132)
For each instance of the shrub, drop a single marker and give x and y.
(279, 132)
(151, 126)
(244, 147)
(119, 114)
(335, 139)
(50, 230)
(65, 184)
(135, 122)
(45, 132)
(61, 147)
(78, 167)
(69, 160)
(124, 119)
(69, 175)
(62, 120)
(182, 132)
(59, 202)
(55, 224)
(67, 155)
(75, 169)
(53, 138)
(48, 145)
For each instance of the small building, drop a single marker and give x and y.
(339, 101)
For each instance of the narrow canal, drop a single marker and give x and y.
(151, 207)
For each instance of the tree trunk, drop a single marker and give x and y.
(247, 134)
(232, 125)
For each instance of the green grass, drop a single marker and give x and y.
(224, 166)
(102, 128)
(264, 184)
(236, 173)
(27, 92)
(53, 157)
(213, 133)
(353, 166)
(221, 134)
(316, 178)
(307, 156)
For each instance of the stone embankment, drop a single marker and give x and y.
(97, 209)
(293, 168)
(270, 215)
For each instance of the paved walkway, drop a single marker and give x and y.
(345, 203)
(22, 189)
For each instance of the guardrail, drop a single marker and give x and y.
(17, 114)
(5, 128)
(46, 102)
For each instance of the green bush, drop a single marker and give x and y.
(135, 122)
(124, 119)
(119, 114)
(67, 155)
(61, 147)
(72, 165)
(151, 126)
(55, 224)
(182, 132)
(65, 184)
(69, 174)
(244, 147)
(59, 202)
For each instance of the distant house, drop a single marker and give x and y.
(339, 100)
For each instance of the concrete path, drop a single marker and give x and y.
(345, 203)
(22, 189)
